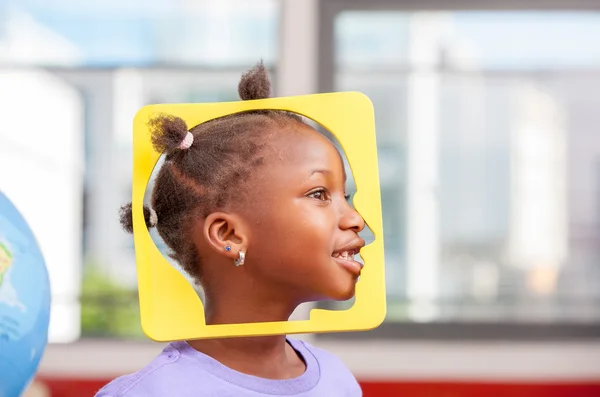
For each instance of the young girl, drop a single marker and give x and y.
(253, 206)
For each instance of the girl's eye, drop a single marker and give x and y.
(319, 195)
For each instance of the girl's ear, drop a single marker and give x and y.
(225, 233)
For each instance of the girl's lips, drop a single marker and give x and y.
(349, 264)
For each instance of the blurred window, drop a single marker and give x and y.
(92, 65)
(489, 159)
(137, 33)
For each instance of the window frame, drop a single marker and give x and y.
(328, 11)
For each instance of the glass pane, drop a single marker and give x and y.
(490, 177)
(523, 40)
(70, 33)
(468, 40)
(371, 39)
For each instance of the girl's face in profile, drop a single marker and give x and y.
(303, 232)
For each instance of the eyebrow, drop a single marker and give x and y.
(328, 172)
(320, 171)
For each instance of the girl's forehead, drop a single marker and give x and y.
(293, 159)
(302, 144)
(304, 151)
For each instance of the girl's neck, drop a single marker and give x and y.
(237, 308)
(269, 357)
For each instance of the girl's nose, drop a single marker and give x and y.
(352, 220)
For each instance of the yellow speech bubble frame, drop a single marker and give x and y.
(169, 306)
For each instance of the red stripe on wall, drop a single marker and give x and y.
(77, 387)
(72, 387)
(479, 389)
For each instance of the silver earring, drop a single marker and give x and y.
(240, 261)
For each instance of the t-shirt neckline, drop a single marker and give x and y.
(300, 384)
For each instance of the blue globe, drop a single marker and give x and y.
(24, 302)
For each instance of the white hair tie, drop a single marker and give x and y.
(187, 141)
(153, 218)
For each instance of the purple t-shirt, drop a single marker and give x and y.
(182, 371)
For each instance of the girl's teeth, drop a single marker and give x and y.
(344, 255)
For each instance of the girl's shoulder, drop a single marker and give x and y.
(330, 365)
(322, 355)
(166, 375)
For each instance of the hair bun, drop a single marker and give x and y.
(126, 217)
(169, 133)
(255, 84)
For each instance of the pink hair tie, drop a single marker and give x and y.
(153, 218)
(187, 141)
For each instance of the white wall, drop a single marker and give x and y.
(41, 148)
(500, 361)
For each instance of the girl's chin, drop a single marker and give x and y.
(341, 295)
